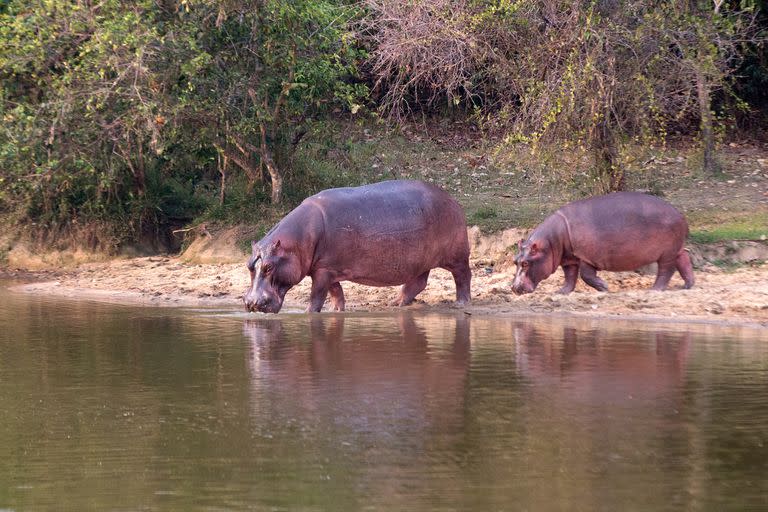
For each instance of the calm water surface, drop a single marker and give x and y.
(109, 407)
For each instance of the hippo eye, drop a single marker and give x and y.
(268, 268)
(252, 263)
(524, 264)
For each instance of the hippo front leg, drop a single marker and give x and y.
(571, 275)
(321, 285)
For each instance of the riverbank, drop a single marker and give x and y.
(728, 216)
(736, 295)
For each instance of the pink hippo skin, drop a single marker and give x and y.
(619, 231)
(384, 234)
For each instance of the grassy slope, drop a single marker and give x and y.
(502, 187)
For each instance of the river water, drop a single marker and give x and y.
(113, 407)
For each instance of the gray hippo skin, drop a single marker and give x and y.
(619, 231)
(384, 234)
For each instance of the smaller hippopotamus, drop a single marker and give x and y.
(618, 232)
(384, 234)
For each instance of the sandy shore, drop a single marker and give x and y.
(739, 296)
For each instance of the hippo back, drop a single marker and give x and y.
(624, 230)
(388, 232)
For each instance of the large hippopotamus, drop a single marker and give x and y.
(619, 231)
(384, 234)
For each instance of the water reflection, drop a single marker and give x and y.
(117, 407)
(393, 379)
(595, 367)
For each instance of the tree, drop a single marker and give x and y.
(81, 104)
(118, 111)
(701, 46)
(596, 74)
(258, 70)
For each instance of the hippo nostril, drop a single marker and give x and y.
(518, 289)
(250, 305)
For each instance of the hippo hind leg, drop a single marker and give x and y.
(337, 297)
(462, 277)
(411, 289)
(589, 275)
(684, 266)
(664, 274)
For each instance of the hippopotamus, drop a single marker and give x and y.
(618, 231)
(383, 234)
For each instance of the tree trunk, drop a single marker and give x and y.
(244, 161)
(141, 176)
(706, 126)
(223, 165)
(269, 163)
(608, 172)
(137, 168)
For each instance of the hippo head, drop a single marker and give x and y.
(534, 264)
(274, 270)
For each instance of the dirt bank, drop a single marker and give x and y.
(739, 295)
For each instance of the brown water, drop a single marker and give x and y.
(108, 407)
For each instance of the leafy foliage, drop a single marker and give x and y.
(122, 110)
(146, 114)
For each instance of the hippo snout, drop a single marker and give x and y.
(521, 289)
(523, 284)
(262, 305)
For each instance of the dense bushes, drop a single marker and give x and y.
(149, 113)
(133, 112)
(597, 74)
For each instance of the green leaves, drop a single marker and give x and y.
(108, 104)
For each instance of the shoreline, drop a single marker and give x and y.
(732, 298)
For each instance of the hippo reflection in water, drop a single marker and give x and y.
(385, 234)
(593, 367)
(408, 382)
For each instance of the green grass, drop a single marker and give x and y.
(250, 234)
(753, 229)
(730, 265)
(481, 214)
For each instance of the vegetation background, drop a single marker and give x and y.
(124, 122)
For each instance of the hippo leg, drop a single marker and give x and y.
(664, 274)
(411, 289)
(321, 284)
(462, 277)
(684, 266)
(589, 275)
(571, 275)
(337, 297)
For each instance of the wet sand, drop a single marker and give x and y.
(733, 297)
